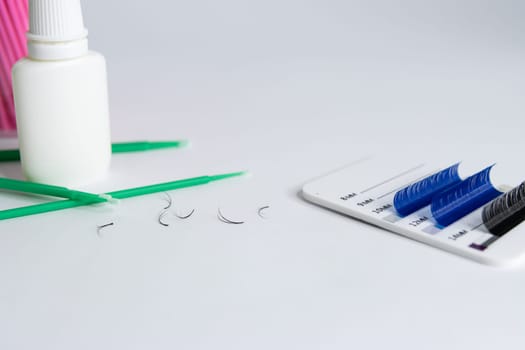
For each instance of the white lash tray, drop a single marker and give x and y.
(365, 190)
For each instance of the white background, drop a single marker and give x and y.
(288, 90)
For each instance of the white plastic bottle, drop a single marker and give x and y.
(61, 99)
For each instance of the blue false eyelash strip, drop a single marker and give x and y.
(419, 194)
(463, 198)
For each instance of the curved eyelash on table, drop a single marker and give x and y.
(185, 216)
(161, 216)
(168, 199)
(260, 211)
(221, 217)
(100, 227)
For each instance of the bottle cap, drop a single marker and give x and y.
(56, 20)
(56, 29)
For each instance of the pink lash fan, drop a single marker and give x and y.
(13, 27)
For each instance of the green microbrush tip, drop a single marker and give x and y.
(121, 147)
(50, 190)
(226, 176)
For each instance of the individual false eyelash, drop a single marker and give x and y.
(161, 216)
(185, 216)
(505, 212)
(100, 227)
(169, 200)
(221, 217)
(261, 210)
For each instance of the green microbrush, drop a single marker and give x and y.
(122, 194)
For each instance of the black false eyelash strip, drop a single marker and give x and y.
(505, 212)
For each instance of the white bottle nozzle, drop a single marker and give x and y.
(56, 29)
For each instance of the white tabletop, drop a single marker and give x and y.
(288, 90)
